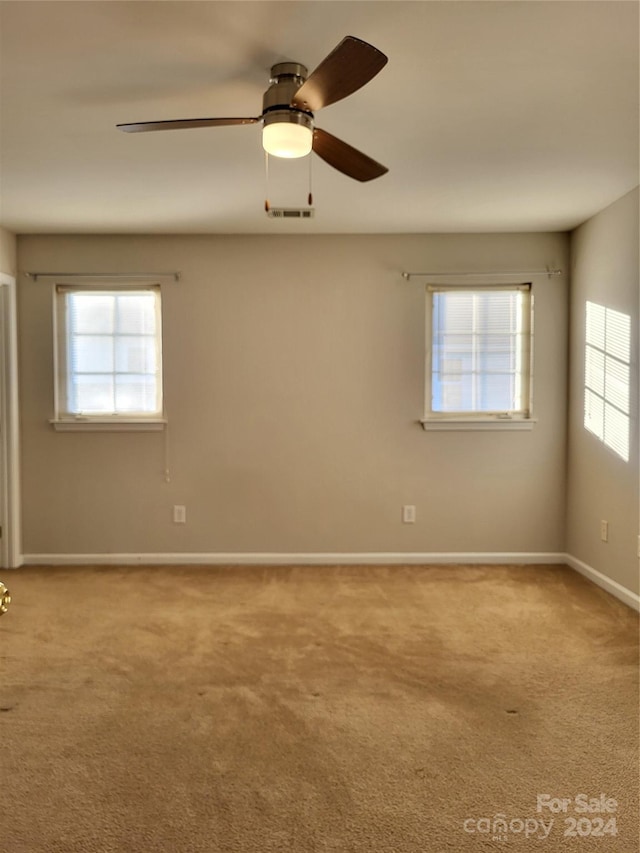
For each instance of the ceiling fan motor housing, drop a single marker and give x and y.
(286, 79)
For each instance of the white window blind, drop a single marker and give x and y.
(479, 358)
(109, 352)
(607, 376)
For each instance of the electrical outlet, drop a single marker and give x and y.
(604, 531)
(179, 514)
(408, 514)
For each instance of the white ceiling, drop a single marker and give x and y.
(491, 116)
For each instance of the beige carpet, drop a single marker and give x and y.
(351, 709)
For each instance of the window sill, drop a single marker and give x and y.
(477, 424)
(108, 425)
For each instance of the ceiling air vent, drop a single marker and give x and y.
(291, 212)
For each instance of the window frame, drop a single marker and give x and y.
(64, 420)
(522, 419)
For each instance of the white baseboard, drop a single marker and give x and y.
(625, 595)
(343, 559)
(303, 559)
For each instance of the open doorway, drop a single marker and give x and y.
(10, 544)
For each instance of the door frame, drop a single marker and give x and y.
(10, 519)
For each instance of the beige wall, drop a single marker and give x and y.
(294, 383)
(8, 262)
(601, 485)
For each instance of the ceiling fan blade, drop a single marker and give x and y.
(344, 158)
(347, 68)
(183, 124)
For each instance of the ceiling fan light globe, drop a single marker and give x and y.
(284, 139)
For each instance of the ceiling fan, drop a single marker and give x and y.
(288, 107)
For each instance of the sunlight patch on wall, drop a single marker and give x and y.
(607, 376)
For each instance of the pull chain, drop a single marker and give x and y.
(266, 182)
(310, 196)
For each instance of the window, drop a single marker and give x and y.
(108, 354)
(606, 377)
(479, 343)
